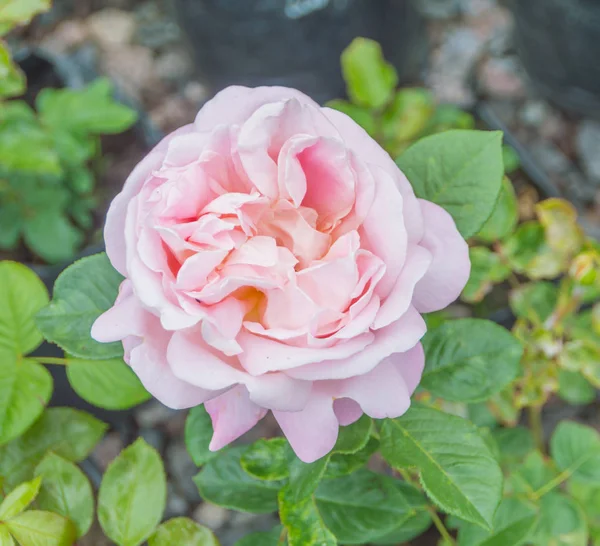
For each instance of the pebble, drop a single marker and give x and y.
(550, 157)
(211, 515)
(177, 505)
(112, 27)
(68, 34)
(439, 9)
(501, 77)
(107, 450)
(153, 437)
(534, 113)
(196, 92)
(132, 67)
(588, 148)
(152, 414)
(173, 65)
(182, 470)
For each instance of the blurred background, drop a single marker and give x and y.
(527, 67)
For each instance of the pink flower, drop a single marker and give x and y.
(277, 259)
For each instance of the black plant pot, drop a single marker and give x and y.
(558, 42)
(297, 43)
(45, 70)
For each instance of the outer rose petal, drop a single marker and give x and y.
(117, 212)
(347, 411)
(232, 414)
(451, 267)
(312, 432)
(410, 364)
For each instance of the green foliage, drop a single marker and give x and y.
(576, 450)
(81, 294)
(19, 12)
(132, 495)
(268, 459)
(182, 531)
(109, 384)
(504, 217)
(575, 388)
(198, 433)
(19, 499)
(534, 301)
(487, 269)
(459, 170)
(469, 360)
(456, 467)
(270, 538)
(562, 523)
(38, 528)
(12, 80)
(66, 491)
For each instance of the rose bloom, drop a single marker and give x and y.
(275, 258)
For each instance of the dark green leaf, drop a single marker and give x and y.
(504, 217)
(81, 294)
(341, 464)
(365, 506)
(223, 481)
(304, 479)
(268, 459)
(108, 384)
(11, 225)
(534, 301)
(532, 475)
(270, 538)
(22, 295)
(25, 390)
(70, 433)
(303, 521)
(66, 491)
(182, 532)
(487, 269)
(457, 469)
(370, 81)
(354, 437)
(469, 360)
(198, 433)
(132, 495)
(562, 523)
(459, 170)
(574, 388)
(514, 443)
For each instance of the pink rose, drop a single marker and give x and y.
(277, 259)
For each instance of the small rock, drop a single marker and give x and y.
(475, 8)
(502, 78)
(182, 469)
(152, 414)
(155, 29)
(173, 65)
(173, 112)
(243, 519)
(108, 449)
(195, 92)
(112, 27)
(175, 425)
(553, 127)
(214, 517)
(132, 67)
(439, 9)
(176, 504)
(534, 112)
(67, 35)
(550, 157)
(153, 437)
(588, 148)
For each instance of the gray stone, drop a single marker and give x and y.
(112, 27)
(108, 448)
(173, 65)
(153, 437)
(212, 516)
(439, 9)
(588, 148)
(550, 158)
(152, 414)
(502, 77)
(177, 505)
(242, 526)
(182, 469)
(534, 112)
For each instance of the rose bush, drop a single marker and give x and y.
(276, 258)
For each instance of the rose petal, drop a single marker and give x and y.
(347, 411)
(450, 268)
(411, 365)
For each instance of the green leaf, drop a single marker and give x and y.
(70, 433)
(223, 481)
(303, 521)
(513, 523)
(514, 443)
(268, 459)
(408, 114)
(354, 437)
(487, 269)
(448, 116)
(51, 236)
(459, 170)
(562, 523)
(37, 528)
(576, 450)
(5, 537)
(19, 12)
(109, 384)
(198, 434)
(534, 301)
(269, 538)
(370, 81)
(574, 388)
(504, 217)
(11, 225)
(469, 360)
(25, 390)
(532, 475)
(341, 464)
(584, 357)
(90, 110)
(81, 294)
(22, 295)
(511, 159)
(66, 491)
(360, 115)
(304, 478)
(132, 495)
(19, 499)
(182, 532)
(12, 79)
(481, 415)
(365, 506)
(559, 220)
(457, 469)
